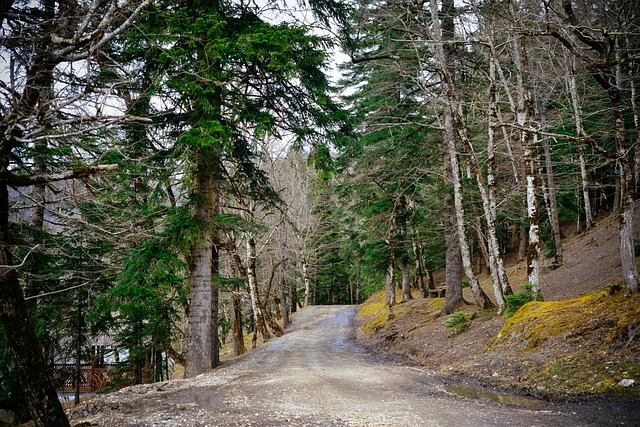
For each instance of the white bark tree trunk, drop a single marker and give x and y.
(528, 141)
(307, 281)
(481, 299)
(584, 177)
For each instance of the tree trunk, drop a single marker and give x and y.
(550, 197)
(25, 350)
(307, 281)
(215, 273)
(584, 178)
(402, 212)
(481, 299)
(533, 248)
(215, 322)
(482, 244)
(417, 256)
(453, 297)
(496, 71)
(236, 325)
(489, 198)
(200, 344)
(284, 304)
(391, 276)
(406, 278)
(523, 243)
(252, 279)
(528, 142)
(442, 34)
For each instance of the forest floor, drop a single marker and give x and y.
(577, 345)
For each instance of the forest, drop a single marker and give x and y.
(177, 174)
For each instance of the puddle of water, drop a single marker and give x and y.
(477, 393)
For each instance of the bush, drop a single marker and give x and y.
(518, 299)
(459, 322)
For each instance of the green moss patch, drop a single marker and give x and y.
(376, 316)
(578, 347)
(609, 315)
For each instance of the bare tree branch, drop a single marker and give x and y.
(43, 178)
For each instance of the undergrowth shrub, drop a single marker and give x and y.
(518, 299)
(459, 322)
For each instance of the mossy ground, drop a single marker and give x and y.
(573, 348)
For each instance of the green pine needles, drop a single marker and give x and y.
(459, 322)
(518, 299)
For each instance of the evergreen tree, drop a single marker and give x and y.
(51, 122)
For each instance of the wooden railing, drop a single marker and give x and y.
(92, 378)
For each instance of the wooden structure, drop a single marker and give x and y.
(92, 378)
(438, 292)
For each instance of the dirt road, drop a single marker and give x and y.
(317, 375)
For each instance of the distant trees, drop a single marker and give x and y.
(490, 79)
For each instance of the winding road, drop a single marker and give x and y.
(317, 375)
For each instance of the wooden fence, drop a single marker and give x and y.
(92, 378)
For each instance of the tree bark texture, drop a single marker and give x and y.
(402, 212)
(528, 142)
(200, 343)
(236, 325)
(453, 297)
(480, 298)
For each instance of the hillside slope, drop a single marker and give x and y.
(582, 341)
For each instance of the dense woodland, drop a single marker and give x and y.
(176, 174)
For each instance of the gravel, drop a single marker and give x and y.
(318, 375)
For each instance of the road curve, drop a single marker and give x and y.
(317, 375)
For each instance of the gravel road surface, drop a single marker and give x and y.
(318, 375)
